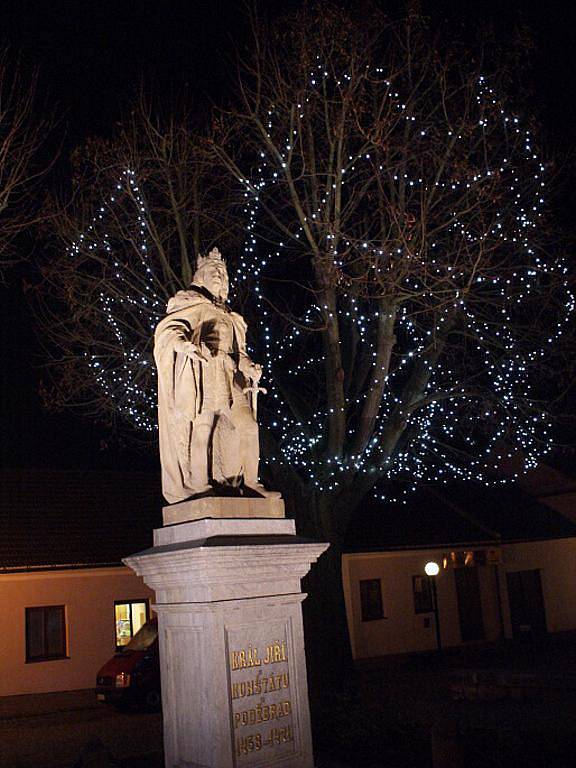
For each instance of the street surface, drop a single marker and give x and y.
(51, 731)
(511, 705)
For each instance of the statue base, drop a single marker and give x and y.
(229, 605)
(222, 507)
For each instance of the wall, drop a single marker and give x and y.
(556, 560)
(89, 596)
(403, 631)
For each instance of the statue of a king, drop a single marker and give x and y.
(207, 390)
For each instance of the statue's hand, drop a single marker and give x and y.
(251, 370)
(191, 350)
(255, 372)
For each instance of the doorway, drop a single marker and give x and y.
(527, 612)
(469, 604)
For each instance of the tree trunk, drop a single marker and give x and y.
(328, 653)
(319, 516)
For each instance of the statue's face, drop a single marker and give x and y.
(213, 276)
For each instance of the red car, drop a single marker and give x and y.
(132, 676)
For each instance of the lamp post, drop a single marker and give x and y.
(432, 569)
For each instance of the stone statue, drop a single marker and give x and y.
(207, 392)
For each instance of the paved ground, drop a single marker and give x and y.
(60, 730)
(511, 706)
(72, 730)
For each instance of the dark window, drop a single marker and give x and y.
(130, 616)
(371, 599)
(422, 594)
(46, 633)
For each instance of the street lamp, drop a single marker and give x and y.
(432, 569)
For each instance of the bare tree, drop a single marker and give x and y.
(393, 189)
(143, 205)
(401, 255)
(24, 124)
(398, 251)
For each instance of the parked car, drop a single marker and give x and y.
(132, 676)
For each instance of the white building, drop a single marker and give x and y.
(66, 601)
(507, 569)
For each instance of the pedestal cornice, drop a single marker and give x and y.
(226, 567)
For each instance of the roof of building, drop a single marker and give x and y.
(458, 514)
(60, 519)
(75, 518)
(542, 481)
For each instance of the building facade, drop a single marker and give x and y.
(507, 565)
(61, 625)
(516, 590)
(66, 601)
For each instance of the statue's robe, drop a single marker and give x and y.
(182, 381)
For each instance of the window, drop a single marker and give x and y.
(371, 599)
(422, 594)
(46, 633)
(130, 616)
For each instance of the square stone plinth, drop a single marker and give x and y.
(232, 658)
(234, 685)
(222, 507)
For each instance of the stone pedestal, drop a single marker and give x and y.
(228, 599)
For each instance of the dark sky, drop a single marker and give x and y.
(91, 58)
(92, 54)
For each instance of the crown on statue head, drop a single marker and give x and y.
(214, 255)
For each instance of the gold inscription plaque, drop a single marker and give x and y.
(260, 684)
(275, 653)
(262, 713)
(260, 695)
(255, 741)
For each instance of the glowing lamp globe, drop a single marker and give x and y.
(432, 568)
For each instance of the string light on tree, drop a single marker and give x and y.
(420, 245)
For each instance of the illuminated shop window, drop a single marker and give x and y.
(371, 599)
(46, 633)
(130, 616)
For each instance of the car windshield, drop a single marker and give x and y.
(144, 638)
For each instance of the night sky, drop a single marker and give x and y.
(92, 55)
